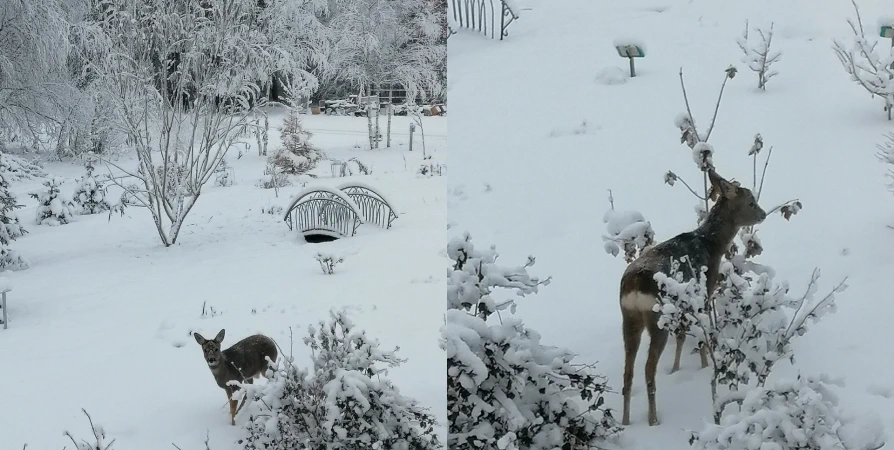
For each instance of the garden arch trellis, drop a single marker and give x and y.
(322, 211)
(481, 15)
(337, 213)
(374, 208)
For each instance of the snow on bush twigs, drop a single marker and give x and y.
(504, 388)
(344, 401)
(54, 207)
(758, 57)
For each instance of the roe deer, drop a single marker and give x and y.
(735, 208)
(244, 361)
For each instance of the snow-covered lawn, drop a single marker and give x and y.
(102, 319)
(549, 120)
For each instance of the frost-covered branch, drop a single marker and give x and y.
(759, 58)
(865, 64)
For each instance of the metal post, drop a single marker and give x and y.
(5, 316)
(412, 129)
(632, 69)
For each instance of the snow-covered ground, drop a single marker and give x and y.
(548, 120)
(101, 320)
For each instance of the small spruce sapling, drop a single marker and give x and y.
(91, 194)
(297, 156)
(53, 208)
(759, 58)
(10, 227)
(505, 389)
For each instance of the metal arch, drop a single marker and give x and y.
(321, 212)
(373, 207)
(475, 14)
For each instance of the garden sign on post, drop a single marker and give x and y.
(630, 52)
(887, 31)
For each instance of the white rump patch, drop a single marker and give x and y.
(638, 301)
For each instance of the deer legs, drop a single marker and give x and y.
(633, 330)
(634, 322)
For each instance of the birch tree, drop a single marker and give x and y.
(186, 79)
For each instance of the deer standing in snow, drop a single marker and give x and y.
(736, 207)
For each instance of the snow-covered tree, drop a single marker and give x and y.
(53, 207)
(10, 228)
(296, 156)
(91, 194)
(758, 57)
(389, 42)
(345, 401)
(185, 78)
(33, 79)
(506, 390)
(868, 65)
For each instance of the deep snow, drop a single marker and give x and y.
(548, 120)
(101, 320)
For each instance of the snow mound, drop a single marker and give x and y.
(612, 75)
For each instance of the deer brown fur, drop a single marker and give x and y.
(736, 207)
(244, 361)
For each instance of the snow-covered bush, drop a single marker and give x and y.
(866, 64)
(627, 230)
(430, 167)
(346, 168)
(224, 175)
(505, 389)
(297, 156)
(758, 57)
(345, 401)
(801, 414)
(53, 207)
(10, 228)
(886, 156)
(273, 178)
(91, 194)
(328, 262)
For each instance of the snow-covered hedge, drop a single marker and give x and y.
(10, 227)
(345, 401)
(505, 389)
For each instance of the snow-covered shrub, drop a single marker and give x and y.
(273, 178)
(98, 439)
(54, 207)
(758, 57)
(10, 228)
(328, 262)
(273, 210)
(346, 168)
(224, 175)
(801, 414)
(345, 401)
(296, 156)
(866, 64)
(91, 194)
(746, 326)
(505, 389)
(886, 156)
(627, 230)
(430, 167)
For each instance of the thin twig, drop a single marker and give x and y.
(717, 106)
(764, 173)
(688, 109)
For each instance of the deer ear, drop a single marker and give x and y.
(220, 336)
(201, 340)
(725, 188)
